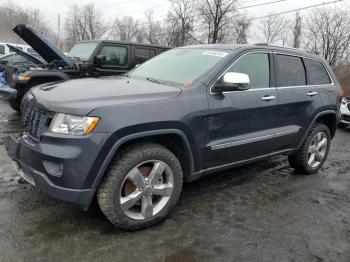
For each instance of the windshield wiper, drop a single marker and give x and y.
(153, 80)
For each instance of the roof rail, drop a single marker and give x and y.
(262, 44)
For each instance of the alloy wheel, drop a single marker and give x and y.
(146, 190)
(317, 149)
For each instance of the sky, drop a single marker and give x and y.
(136, 8)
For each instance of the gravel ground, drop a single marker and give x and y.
(259, 212)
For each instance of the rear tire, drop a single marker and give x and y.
(314, 151)
(141, 187)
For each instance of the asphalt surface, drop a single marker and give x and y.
(259, 212)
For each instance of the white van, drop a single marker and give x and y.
(5, 50)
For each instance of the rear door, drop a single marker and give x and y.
(241, 123)
(298, 101)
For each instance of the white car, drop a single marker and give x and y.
(345, 111)
(4, 49)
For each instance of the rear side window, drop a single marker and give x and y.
(316, 73)
(256, 66)
(2, 49)
(144, 54)
(290, 71)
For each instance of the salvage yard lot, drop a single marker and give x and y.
(259, 212)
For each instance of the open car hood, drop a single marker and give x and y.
(41, 44)
(30, 57)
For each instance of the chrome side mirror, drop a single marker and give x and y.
(231, 81)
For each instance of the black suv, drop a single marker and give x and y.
(132, 140)
(85, 59)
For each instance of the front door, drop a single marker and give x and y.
(241, 123)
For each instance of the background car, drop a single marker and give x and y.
(4, 49)
(93, 58)
(344, 119)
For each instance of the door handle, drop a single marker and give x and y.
(312, 93)
(268, 98)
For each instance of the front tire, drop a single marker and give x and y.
(313, 152)
(142, 186)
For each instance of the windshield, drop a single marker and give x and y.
(82, 50)
(179, 66)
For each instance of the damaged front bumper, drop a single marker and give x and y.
(16, 146)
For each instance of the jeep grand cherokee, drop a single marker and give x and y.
(191, 111)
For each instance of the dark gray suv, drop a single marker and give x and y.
(132, 140)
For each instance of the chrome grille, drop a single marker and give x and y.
(34, 120)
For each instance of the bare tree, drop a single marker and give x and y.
(217, 16)
(154, 31)
(180, 21)
(12, 14)
(328, 35)
(85, 23)
(241, 27)
(297, 30)
(274, 29)
(125, 29)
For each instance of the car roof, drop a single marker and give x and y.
(234, 47)
(125, 43)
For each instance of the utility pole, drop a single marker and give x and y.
(59, 31)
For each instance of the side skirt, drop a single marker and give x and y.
(215, 169)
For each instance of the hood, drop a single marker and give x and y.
(41, 44)
(30, 57)
(81, 96)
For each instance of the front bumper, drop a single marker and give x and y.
(68, 187)
(344, 116)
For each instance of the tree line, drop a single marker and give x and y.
(324, 31)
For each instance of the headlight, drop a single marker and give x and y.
(73, 125)
(23, 78)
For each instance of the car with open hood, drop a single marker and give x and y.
(130, 141)
(20, 57)
(85, 59)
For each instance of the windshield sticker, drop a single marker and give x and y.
(215, 53)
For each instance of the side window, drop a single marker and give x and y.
(115, 55)
(2, 49)
(256, 66)
(316, 73)
(142, 54)
(290, 71)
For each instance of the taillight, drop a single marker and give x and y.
(342, 94)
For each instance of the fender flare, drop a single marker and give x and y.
(317, 116)
(121, 141)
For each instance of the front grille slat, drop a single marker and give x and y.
(34, 120)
